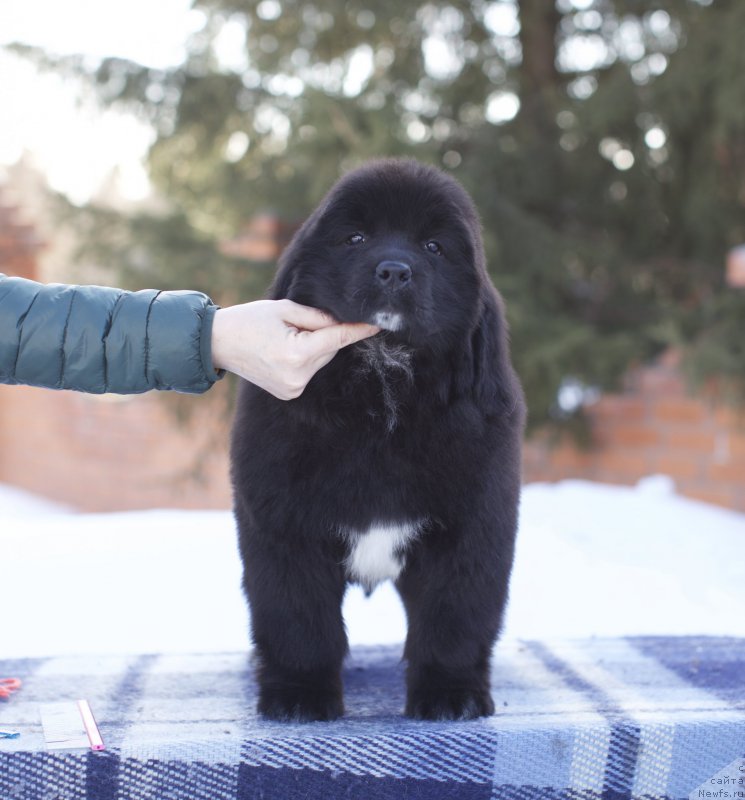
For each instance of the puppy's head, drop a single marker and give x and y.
(395, 243)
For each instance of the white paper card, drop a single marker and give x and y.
(63, 726)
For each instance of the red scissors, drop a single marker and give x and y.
(8, 686)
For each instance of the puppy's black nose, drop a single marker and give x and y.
(392, 275)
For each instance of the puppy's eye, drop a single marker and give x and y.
(356, 238)
(433, 247)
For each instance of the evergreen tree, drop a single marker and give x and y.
(603, 141)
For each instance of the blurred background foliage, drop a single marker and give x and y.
(603, 142)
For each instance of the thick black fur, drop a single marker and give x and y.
(422, 423)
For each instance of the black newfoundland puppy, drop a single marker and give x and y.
(400, 460)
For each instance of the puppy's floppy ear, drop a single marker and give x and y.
(494, 383)
(287, 268)
(283, 280)
(291, 258)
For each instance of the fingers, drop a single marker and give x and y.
(304, 317)
(321, 333)
(334, 337)
(331, 335)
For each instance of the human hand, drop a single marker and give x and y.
(279, 345)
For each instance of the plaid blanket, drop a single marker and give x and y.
(623, 718)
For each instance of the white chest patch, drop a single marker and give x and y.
(377, 553)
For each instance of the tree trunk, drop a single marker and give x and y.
(539, 78)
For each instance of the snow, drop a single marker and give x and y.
(18, 503)
(592, 560)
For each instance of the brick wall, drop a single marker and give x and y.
(110, 453)
(116, 453)
(654, 426)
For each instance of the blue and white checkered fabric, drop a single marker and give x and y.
(639, 718)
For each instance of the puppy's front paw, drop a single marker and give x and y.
(449, 703)
(287, 703)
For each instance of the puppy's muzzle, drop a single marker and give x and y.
(392, 275)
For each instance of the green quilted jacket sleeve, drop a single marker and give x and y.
(97, 339)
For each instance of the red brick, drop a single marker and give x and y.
(655, 380)
(719, 497)
(732, 418)
(678, 467)
(567, 457)
(626, 408)
(540, 473)
(678, 410)
(735, 445)
(627, 465)
(614, 477)
(691, 439)
(637, 436)
(730, 472)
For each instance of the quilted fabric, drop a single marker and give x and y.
(643, 718)
(98, 339)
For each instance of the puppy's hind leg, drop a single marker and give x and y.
(295, 593)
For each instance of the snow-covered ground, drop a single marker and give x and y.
(592, 560)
